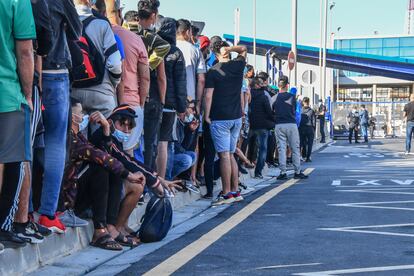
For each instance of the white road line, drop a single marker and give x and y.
(369, 205)
(284, 266)
(359, 229)
(357, 270)
(336, 183)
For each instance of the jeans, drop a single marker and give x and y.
(209, 153)
(152, 124)
(353, 131)
(225, 134)
(322, 129)
(288, 135)
(410, 130)
(307, 135)
(55, 119)
(262, 136)
(178, 163)
(364, 130)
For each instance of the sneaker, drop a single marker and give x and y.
(258, 176)
(191, 187)
(282, 176)
(54, 225)
(245, 190)
(1, 248)
(11, 240)
(237, 196)
(208, 196)
(223, 199)
(407, 153)
(43, 230)
(243, 170)
(28, 232)
(308, 160)
(69, 219)
(300, 175)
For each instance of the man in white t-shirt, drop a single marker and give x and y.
(194, 62)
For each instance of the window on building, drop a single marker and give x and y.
(358, 43)
(374, 43)
(406, 41)
(391, 42)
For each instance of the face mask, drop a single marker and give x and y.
(121, 136)
(85, 122)
(189, 118)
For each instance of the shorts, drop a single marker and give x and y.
(167, 131)
(136, 132)
(226, 134)
(15, 140)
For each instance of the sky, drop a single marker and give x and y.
(355, 17)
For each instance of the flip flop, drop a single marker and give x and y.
(129, 242)
(106, 242)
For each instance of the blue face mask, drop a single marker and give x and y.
(189, 118)
(121, 136)
(84, 124)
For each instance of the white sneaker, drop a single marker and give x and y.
(407, 153)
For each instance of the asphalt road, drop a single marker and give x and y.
(353, 216)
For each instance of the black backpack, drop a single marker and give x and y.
(156, 221)
(91, 72)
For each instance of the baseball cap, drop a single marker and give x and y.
(284, 79)
(204, 42)
(124, 110)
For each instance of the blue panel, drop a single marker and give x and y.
(405, 52)
(391, 52)
(375, 51)
(406, 41)
(360, 50)
(358, 43)
(391, 42)
(374, 43)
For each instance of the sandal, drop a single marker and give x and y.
(106, 242)
(125, 241)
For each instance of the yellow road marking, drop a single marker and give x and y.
(186, 254)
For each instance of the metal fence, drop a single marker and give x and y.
(387, 118)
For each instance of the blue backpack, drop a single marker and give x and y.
(156, 221)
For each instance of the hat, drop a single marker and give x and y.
(284, 79)
(204, 42)
(124, 110)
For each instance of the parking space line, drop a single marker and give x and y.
(356, 270)
(179, 259)
(286, 266)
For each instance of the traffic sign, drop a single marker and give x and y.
(291, 60)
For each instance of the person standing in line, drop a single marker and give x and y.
(409, 116)
(364, 119)
(321, 117)
(307, 129)
(17, 30)
(354, 123)
(287, 133)
(262, 120)
(223, 112)
(55, 95)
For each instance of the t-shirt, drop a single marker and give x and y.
(16, 23)
(285, 108)
(135, 53)
(409, 110)
(194, 64)
(226, 78)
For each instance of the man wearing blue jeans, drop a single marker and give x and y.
(223, 112)
(409, 115)
(261, 119)
(55, 95)
(364, 119)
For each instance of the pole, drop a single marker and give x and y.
(320, 47)
(294, 39)
(236, 26)
(325, 28)
(254, 35)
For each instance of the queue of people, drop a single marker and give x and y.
(100, 107)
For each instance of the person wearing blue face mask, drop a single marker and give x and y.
(110, 138)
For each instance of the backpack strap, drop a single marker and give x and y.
(86, 22)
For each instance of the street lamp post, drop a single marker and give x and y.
(254, 35)
(321, 46)
(294, 39)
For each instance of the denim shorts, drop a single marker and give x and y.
(225, 134)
